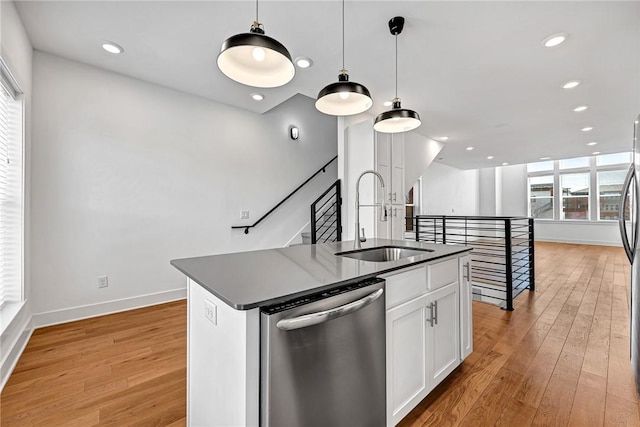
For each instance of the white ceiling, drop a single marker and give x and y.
(475, 71)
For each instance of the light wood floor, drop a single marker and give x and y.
(561, 358)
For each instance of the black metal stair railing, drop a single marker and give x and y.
(321, 170)
(326, 223)
(503, 262)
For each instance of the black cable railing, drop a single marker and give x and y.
(326, 223)
(503, 252)
(321, 170)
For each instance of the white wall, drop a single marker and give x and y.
(587, 232)
(16, 51)
(450, 191)
(514, 190)
(128, 175)
(420, 152)
(488, 192)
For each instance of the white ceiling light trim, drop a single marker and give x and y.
(112, 47)
(571, 84)
(555, 39)
(580, 108)
(304, 62)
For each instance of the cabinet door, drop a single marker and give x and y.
(397, 186)
(466, 314)
(397, 150)
(397, 222)
(443, 338)
(407, 378)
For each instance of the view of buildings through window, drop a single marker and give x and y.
(562, 189)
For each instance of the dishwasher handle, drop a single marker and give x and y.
(326, 315)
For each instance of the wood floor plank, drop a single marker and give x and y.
(589, 401)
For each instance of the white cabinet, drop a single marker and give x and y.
(425, 331)
(466, 318)
(407, 376)
(443, 333)
(389, 158)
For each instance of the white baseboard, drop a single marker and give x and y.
(92, 310)
(579, 241)
(14, 340)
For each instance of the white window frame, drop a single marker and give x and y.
(12, 197)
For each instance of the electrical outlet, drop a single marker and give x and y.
(103, 281)
(244, 214)
(210, 311)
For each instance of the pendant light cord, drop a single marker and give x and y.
(396, 36)
(257, 20)
(342, 35)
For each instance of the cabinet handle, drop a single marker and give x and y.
(394, 196)
(430, 317)
(467, 267)
(435, 311)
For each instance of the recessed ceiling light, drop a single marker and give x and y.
(505, 164)
(591, 143)
(111, 47)
(489, 157)
(387, 103)
(304, 62)
(545, 158)
(571, 84)
(469, 148)
(257, 96)
(587, 129)
(595, 152)
(554, 39)
(443, 138)
(580, 108)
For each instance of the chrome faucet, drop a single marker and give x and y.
(383, 207)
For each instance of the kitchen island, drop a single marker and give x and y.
(226, 293)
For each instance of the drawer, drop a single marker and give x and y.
(442, 274)
(404, 286)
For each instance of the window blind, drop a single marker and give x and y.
(11, 190)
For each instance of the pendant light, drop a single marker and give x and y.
(397, 119)
(255, 59)
(343, 98)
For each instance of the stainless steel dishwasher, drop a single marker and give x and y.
(322, 359)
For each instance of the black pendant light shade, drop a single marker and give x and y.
(255, 59)
(397, 119)
(344, 98)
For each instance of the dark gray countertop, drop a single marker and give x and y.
(246, 280)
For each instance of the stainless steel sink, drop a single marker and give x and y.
(384, 253)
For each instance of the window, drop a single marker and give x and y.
(609, 192)
(562, 189)
(575, 195)
(578, 162)
(540, 166)
(11, 189)
(541, 196)
(613, 159)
